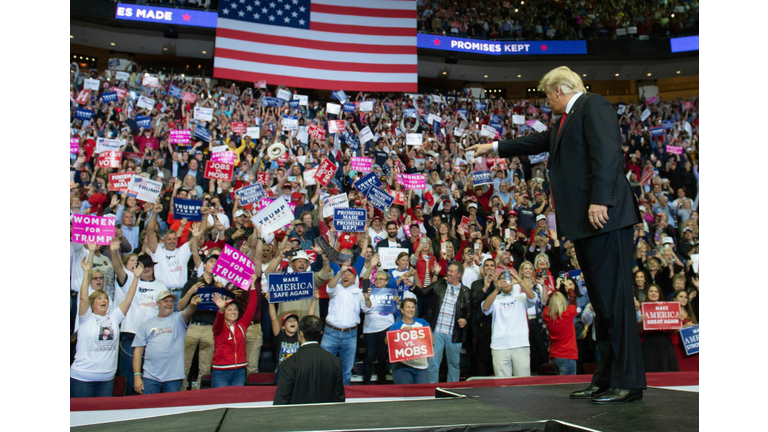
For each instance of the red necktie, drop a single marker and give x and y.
(561, 124)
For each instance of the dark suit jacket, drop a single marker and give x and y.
(312, 375)
(585, 167)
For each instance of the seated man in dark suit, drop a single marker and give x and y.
(312, 375)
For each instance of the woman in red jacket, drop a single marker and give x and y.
(559, 315)
(229, 358)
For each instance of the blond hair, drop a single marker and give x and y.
(94, 295)
(557, 305)
(568, 81)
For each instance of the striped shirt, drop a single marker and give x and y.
(447, 315)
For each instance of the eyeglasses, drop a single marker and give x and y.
(98, 278)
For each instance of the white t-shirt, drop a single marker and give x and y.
(471, 274)
(222, 217)
(373, 235)
(144, 304)
(77, 252)
(510, 320)
(171, 266)
(96, 357)
(344, 305)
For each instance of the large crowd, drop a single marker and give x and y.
(553, 19)
(482, 265)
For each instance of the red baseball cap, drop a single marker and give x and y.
(296, 197)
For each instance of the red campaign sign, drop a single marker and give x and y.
(118, 182)
(500, 162)
(336, 126)
(263, 178)
(120, 92)
(218, 170)
(326, 172)
(464, 223)
(688, 105)
(133, 155)
(260, 84)
(316, 132)
(109, 159)
(188, 97)
(532, 110)
(662, 316)
(83, 97)
(239, 127)
(399, 197)
(410, 344)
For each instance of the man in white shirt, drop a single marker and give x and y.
(376, 231)
(471, 270)
(509, 332)
(340, 334)
(171, 261)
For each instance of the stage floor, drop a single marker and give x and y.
(522, 408)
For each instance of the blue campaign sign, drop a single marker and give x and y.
(349, 219)
(202, 133)
(380, 198)
(174, 91)
(690, 337)
(161, 15)
(498, 126)
(83, 114)
(294, 104)
(143, 121)
(351, 140)
(348, 107)
(495, 118)
(272, 101)
(657, 131)
(187, 208)
(285, 287)
(109, 97)
(481, 106)
(461, 113)
(383, 300)
(367, 182)
(339, 96)
(481, 177)
(206, 297)
(250, 194)
(546, 110)
(541, 157)
(502, 48)
(669, 124)
(410, 113)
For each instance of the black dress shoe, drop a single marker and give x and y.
(615, 395)
(588, 392)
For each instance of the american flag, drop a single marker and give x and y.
(362, 45)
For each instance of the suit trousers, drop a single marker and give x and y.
(606, 263)
(253, 342)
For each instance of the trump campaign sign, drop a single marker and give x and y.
(188, 209)
(144, 189)
(383, 300)
(180, 136)
(109, 159)
(349, 219)
(218, 170)
(325, 172)
(690, 338)
(250, 194)
(285, 287)
(662, 316)
(410, 344)
(118, 182)
(481, 177)
(273, 217)
(93, 229)
(235, 267)
(362, 164)
(367, 182)
(413, 181)
(206, 297)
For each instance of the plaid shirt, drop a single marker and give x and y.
(447, 315)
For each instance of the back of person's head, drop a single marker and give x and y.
(557, 305)
(312, 328)
(568, 80)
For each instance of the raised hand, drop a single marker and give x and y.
(138, 269)
(219, 301)
(87, 267)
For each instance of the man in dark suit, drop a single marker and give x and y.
(312, 375)
(597, 211)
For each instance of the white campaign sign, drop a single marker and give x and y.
(366, 135)
(122, 76)
(205, 114)
(488, 131)
(334, 202)
(332, 108)
(145, 102)
(366, 106)
(303, 99)
(91, 84)
(104, 144)
(253, 132)
(413, 139)
(539, 126)
(518, 119)
(309, 177)
(284, 95)
(388, 257)
(645, 114)
(273, 217)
